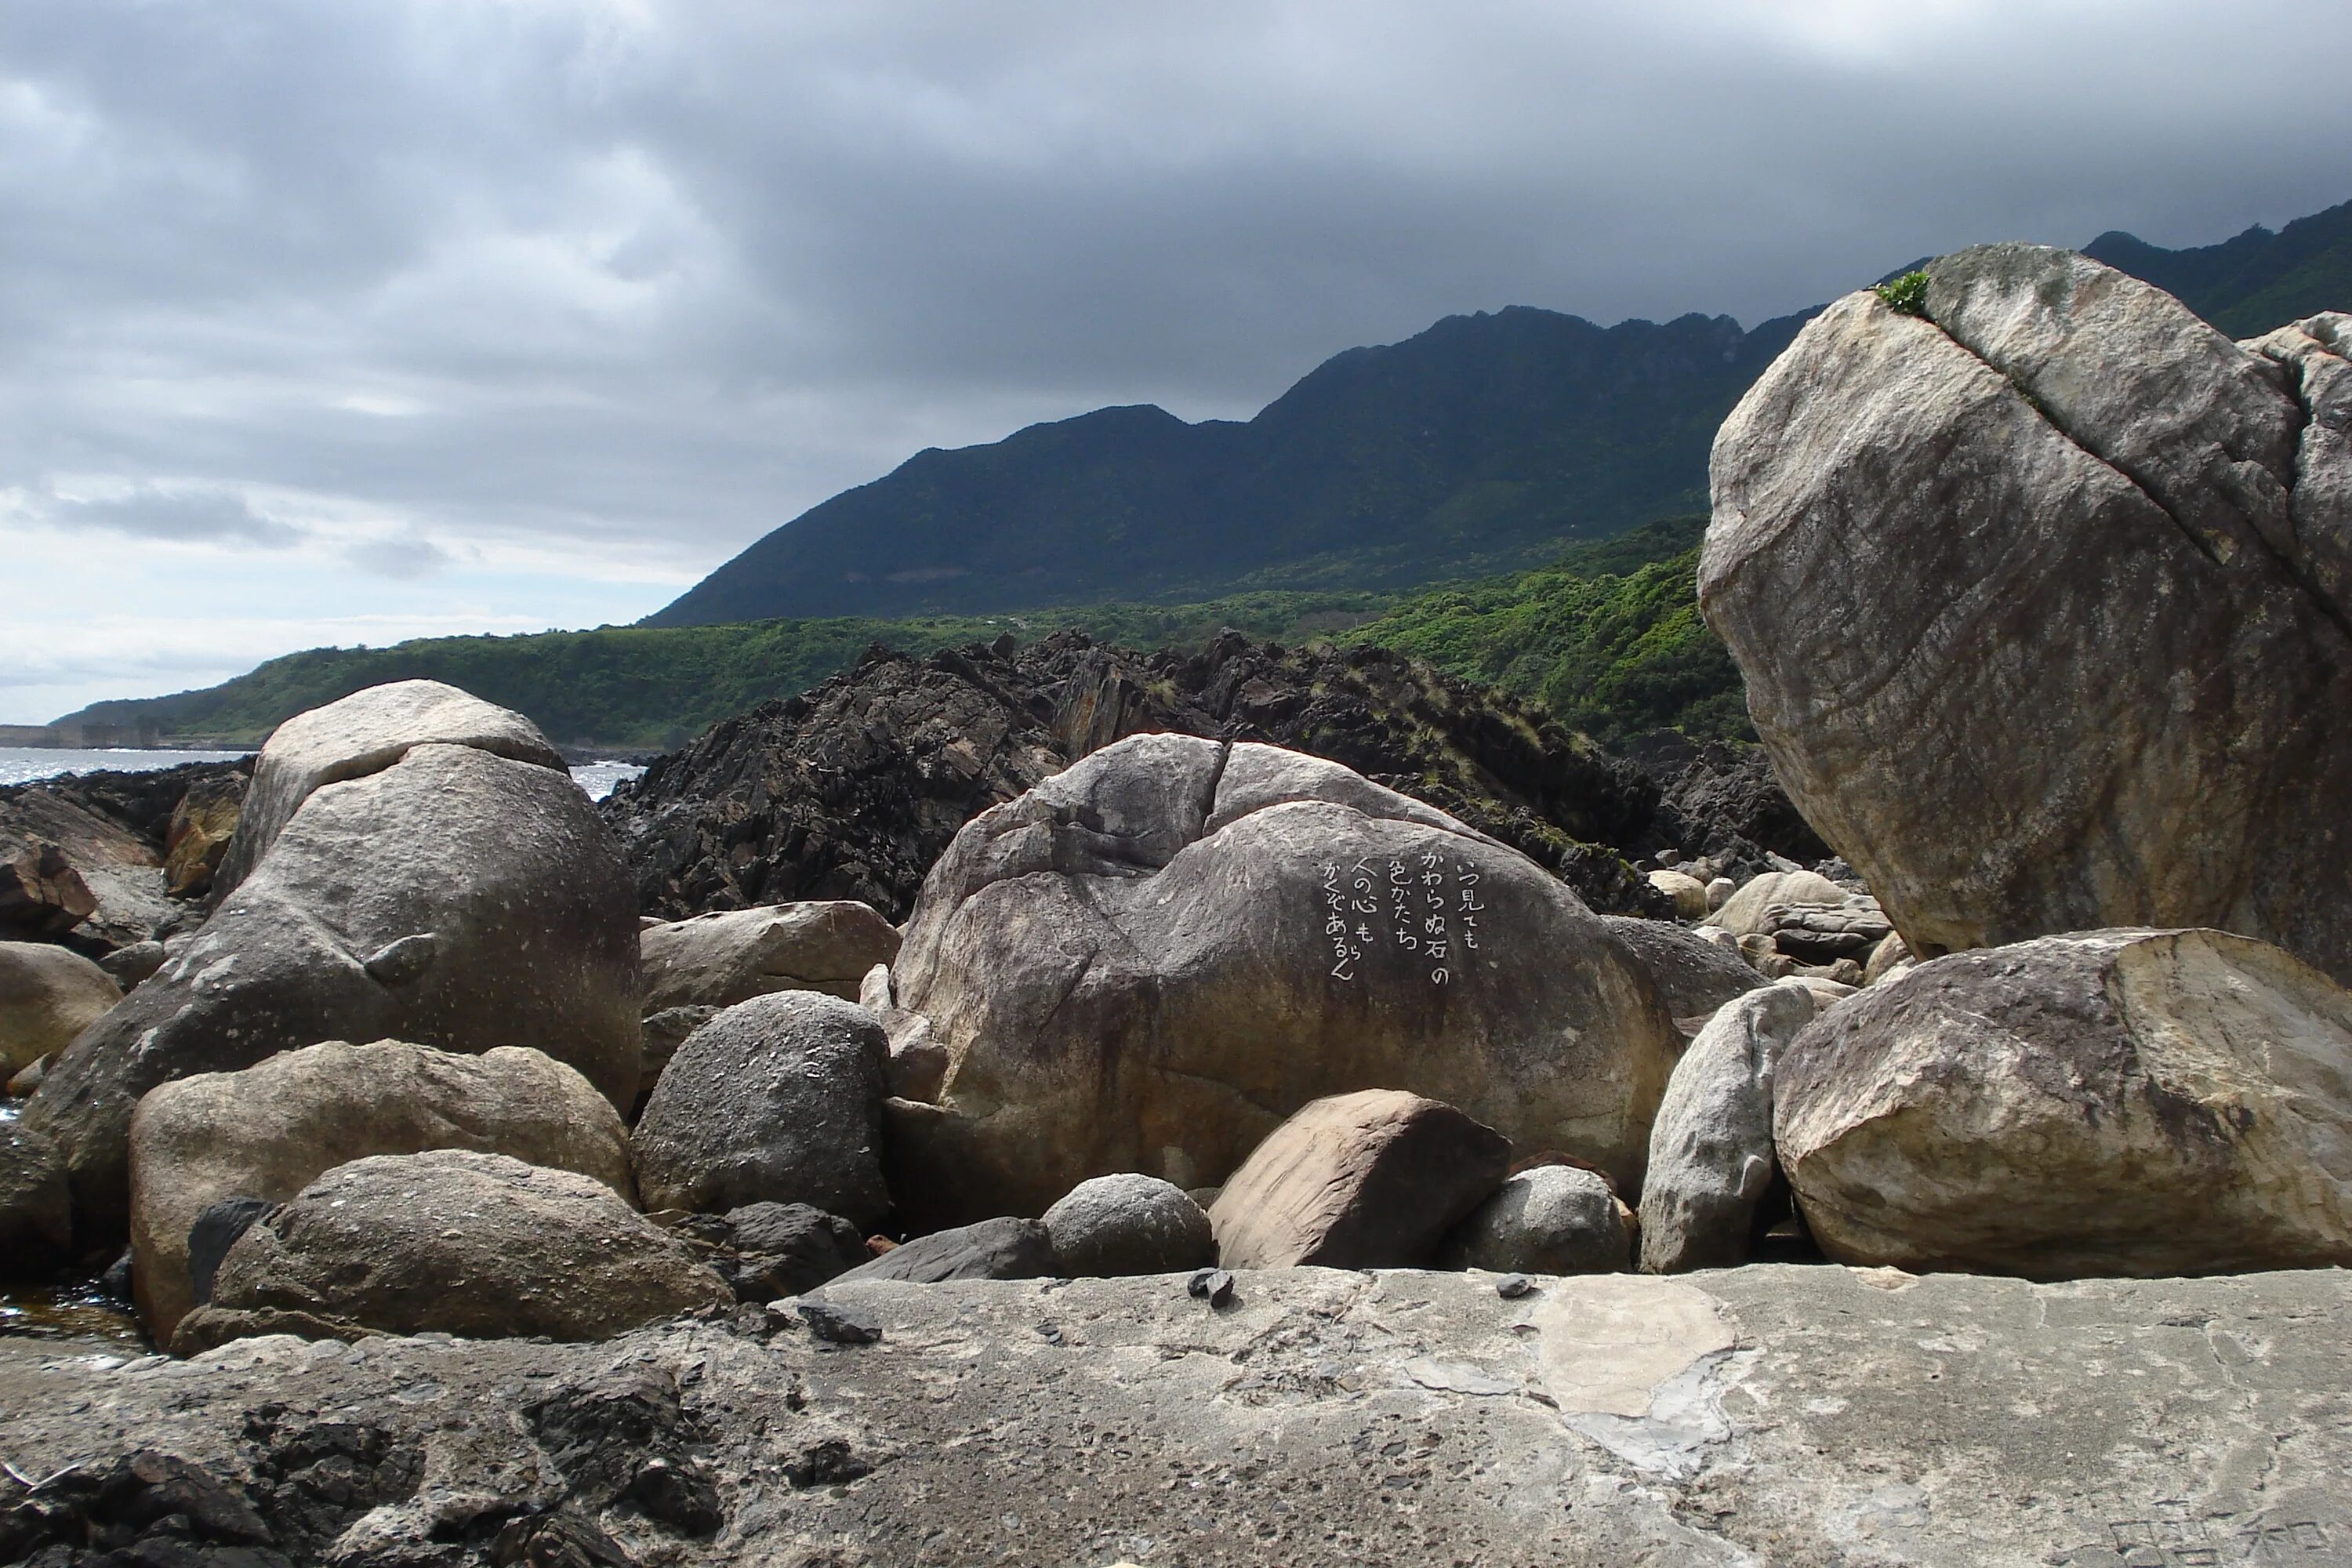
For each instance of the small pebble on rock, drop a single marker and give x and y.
(838, 1325)
(1511, 1287)
(1212, 1285)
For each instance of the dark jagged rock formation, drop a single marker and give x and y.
(854, 789)
(1727, 802)
(81, 854)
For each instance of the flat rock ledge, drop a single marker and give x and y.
(1766, 1414)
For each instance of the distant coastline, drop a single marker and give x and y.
(116, 738)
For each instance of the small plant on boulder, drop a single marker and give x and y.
(1907, 293)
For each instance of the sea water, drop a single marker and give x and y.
(21, 764)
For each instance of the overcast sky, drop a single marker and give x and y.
(346, 322)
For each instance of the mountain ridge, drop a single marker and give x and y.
(1482, 444)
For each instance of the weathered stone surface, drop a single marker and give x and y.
(2107, 1102)
(1711, 1159)
(1695, 973)
(202, 824)
(455, 1242)
(777, 1099)
(267, 1131)
(454, 899)
(2035, 614)
(36, 1208)
(1368, 1180)
(1553, 1220)
(1000, 1248)
(1745, 912)
(732, 955)
(366, 734)
(1129, 1224)
(1763, 1416)
(48, 996)
(1132, 968)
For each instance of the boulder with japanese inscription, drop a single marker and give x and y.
(1149, 962)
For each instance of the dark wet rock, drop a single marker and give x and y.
(992, 1249)
(766, 1250)
(854, 789)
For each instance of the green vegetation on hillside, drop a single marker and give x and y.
(1613, 649)
(1609, 637)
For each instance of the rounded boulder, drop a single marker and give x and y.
(777, 1099)
(454, 1242)
(1129, 1224)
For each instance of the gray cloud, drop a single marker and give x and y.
(627, 282)
(152, 511)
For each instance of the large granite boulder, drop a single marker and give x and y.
(1369, 1180)
(455, 899)
(1147, 962)
(732, 955)
(267, 1131)
(2138, 1101)
(364, 734)
(455, 1242)
(48, 996)
(1711, 1149)
(2042, 606)
(777, 1099)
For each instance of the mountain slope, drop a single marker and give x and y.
(2256, 281)
(1600, 609)
(1482, 446)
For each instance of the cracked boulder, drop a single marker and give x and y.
(456, 898)
(2040, 598)
(1150, 961)
(364, 733)
(2132, 1102)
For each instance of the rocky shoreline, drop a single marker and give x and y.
(1069, 1105)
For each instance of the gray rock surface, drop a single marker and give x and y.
(2107, 1102)
(48, 996)
(1129, 1224)
(732, 955)
(454, 1242)
(1005, 1248)
(1765, 1416)
(1149, 960)
(777, 1099)
(267, 1131)
(36, 1206)
(364, 734)
(1553, 1220)
(1711, 1158)
(1693, 974)
(2036, 615)
(453, 898)
(767, 1251)
(1369, 1180)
